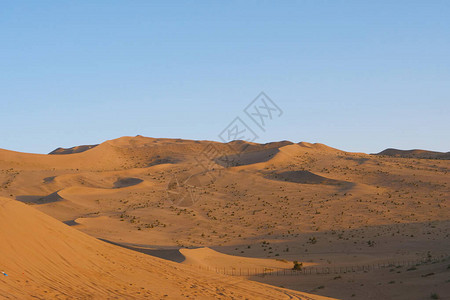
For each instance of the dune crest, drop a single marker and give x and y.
(415, 153)
(207, 257)
(72, 150)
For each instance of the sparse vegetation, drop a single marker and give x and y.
(297, 266)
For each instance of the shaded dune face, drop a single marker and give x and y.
(416, 153)
(49, 179)
(167, 254)
(162, 160)
(72, 150)
(246, 158)
(100, 180)
(126, 182)
(30, 199)
(304, 177)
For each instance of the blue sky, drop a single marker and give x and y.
(356, 75)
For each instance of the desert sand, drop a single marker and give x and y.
(247, 206)
(46, 259)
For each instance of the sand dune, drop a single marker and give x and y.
(76, 149)
(206, 257)
(416, 153)
(126, 182)
(305, 202)
(318, 147)
(46, 259)
(304, 177)
(53, 197)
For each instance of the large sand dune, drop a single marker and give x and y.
(45, 259)
(288, 201)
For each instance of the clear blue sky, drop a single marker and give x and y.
(356, 75)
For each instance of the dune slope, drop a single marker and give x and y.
(44, 258)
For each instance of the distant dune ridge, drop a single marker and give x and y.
(245, 147)
(237, 205)
(76, 149)
(416, 153)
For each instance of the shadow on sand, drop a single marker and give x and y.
(167, 254)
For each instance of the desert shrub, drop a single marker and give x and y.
(297, 266)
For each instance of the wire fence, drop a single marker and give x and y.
(324, 270)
